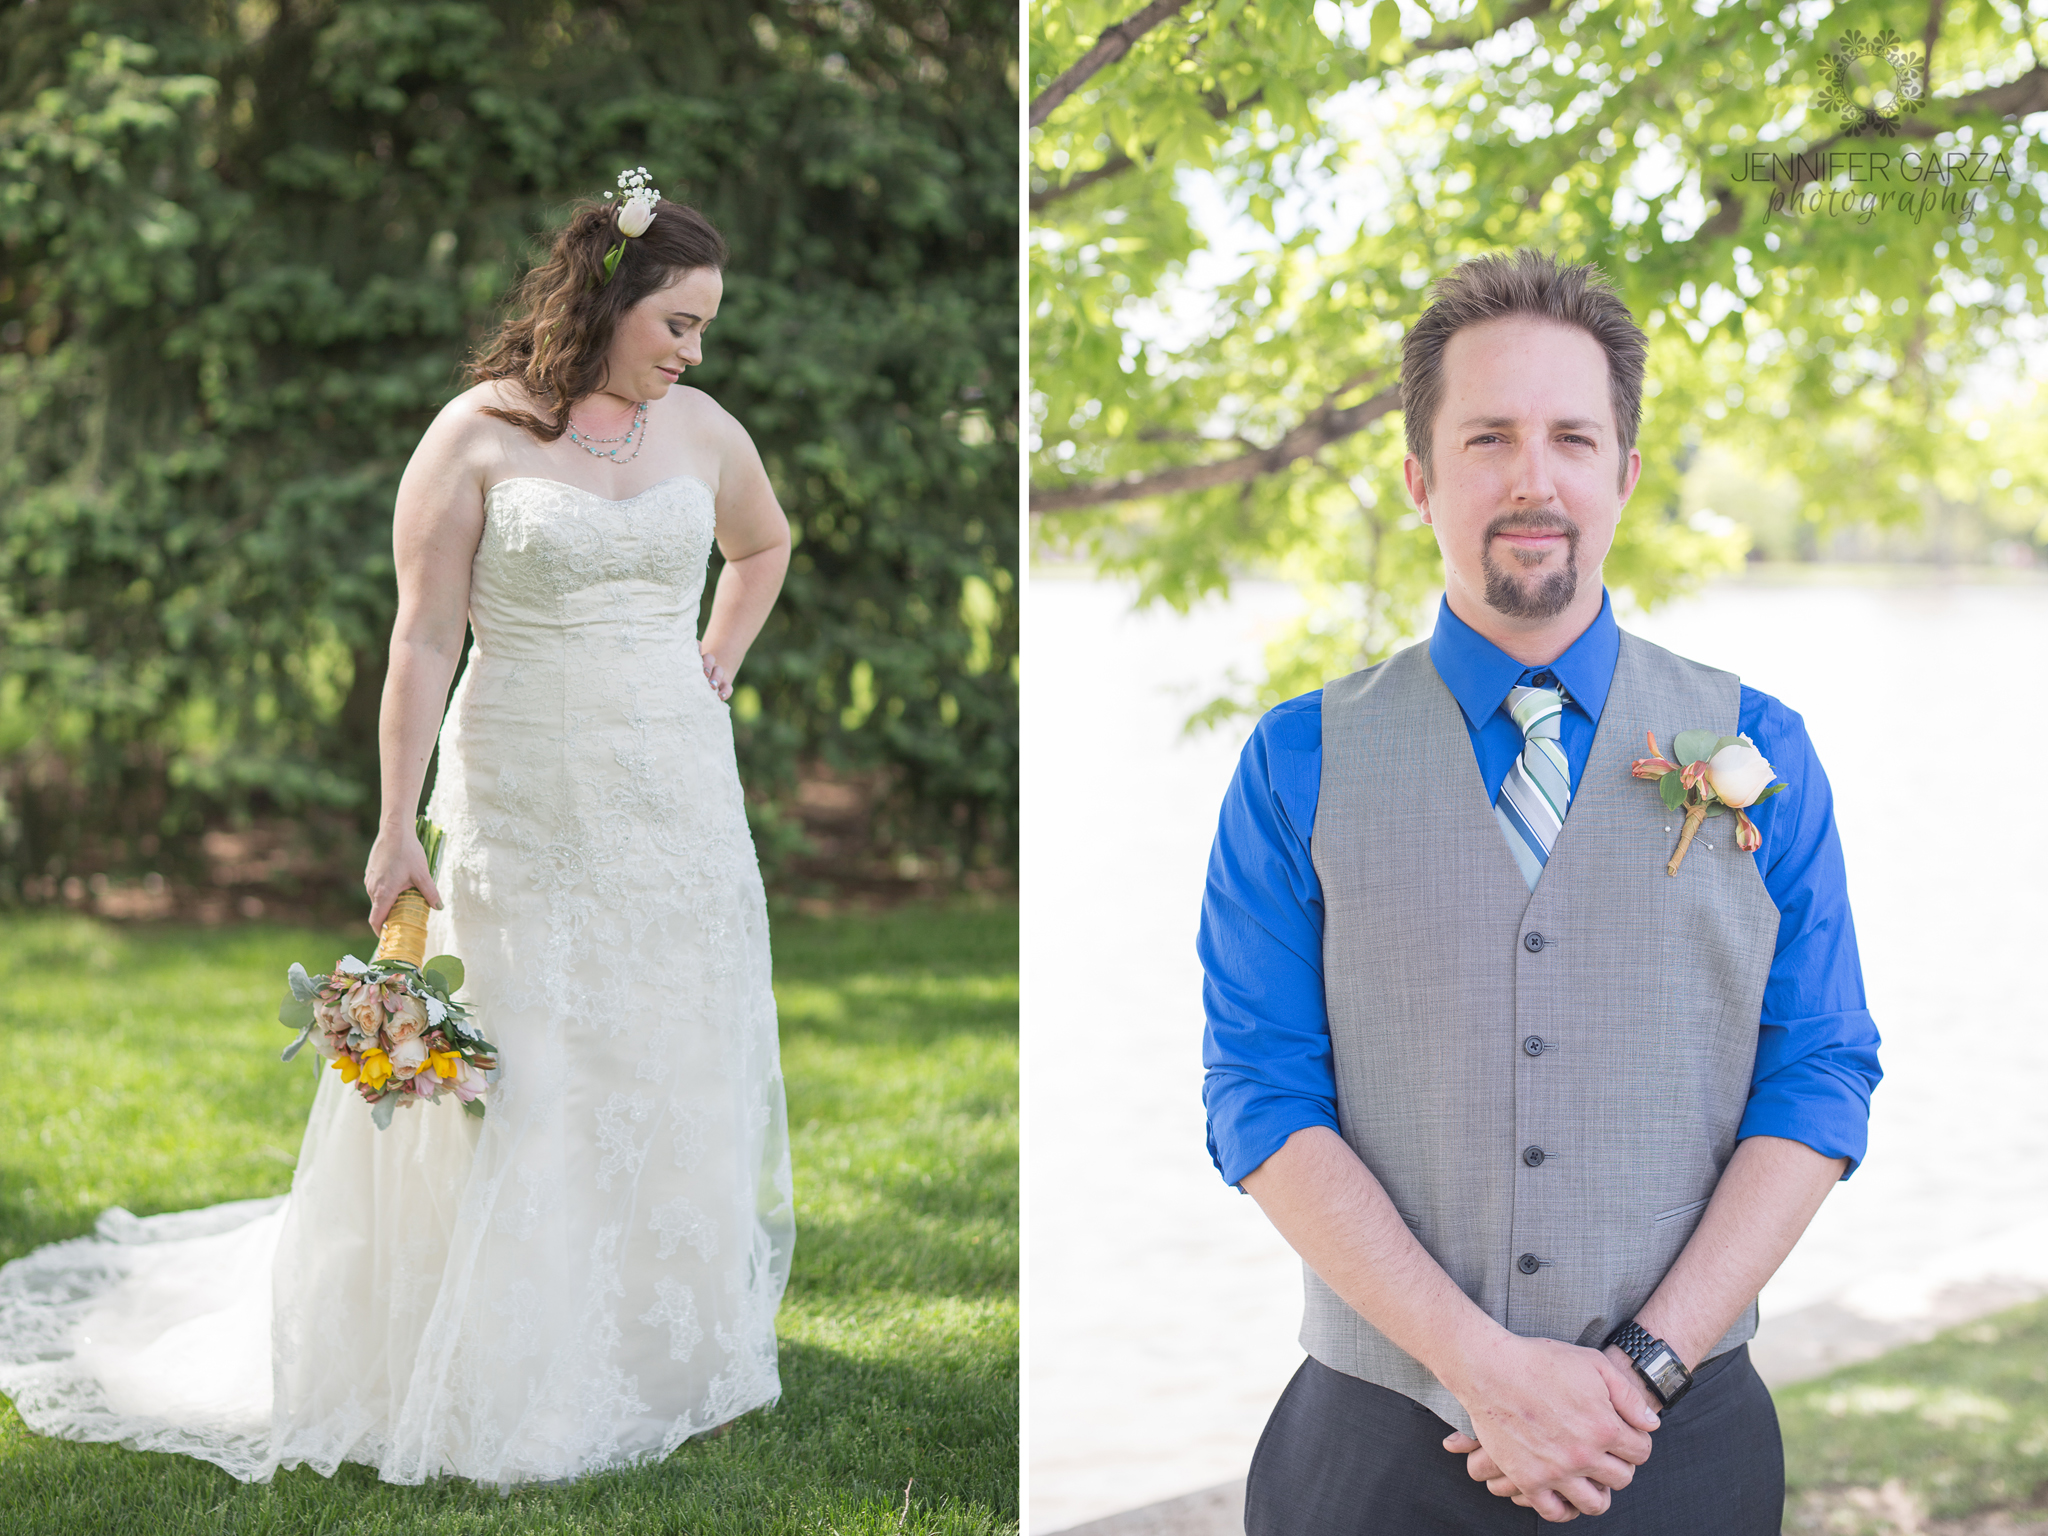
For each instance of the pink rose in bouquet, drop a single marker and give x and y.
(362, 1008)
(408, 1057)
(408, 1019)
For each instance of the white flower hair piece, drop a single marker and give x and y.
(635, 213)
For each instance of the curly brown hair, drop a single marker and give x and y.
(561, 318)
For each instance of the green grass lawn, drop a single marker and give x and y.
(141, 1070)
(1936, 1430)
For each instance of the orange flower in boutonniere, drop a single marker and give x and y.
(1712, 773)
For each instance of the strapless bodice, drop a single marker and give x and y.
(557, 562)
(583, 720)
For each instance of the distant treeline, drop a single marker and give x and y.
(244, 249)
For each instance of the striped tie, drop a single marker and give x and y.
(1538, 789)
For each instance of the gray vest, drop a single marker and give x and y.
(1608, 1019)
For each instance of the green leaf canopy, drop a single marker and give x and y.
(1234, 224)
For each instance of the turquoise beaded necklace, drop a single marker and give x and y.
(635, 434)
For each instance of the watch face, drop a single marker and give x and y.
(1664, 1368)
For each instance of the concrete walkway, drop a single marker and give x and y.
(1163, 1309)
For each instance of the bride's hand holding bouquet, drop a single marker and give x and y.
(392, 1027)
(399, 867)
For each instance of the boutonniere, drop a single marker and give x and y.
(1712, 773)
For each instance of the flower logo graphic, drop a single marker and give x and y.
(1869, 83)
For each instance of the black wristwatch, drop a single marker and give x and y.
(1655, 1361)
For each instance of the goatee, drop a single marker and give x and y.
(1549, 596)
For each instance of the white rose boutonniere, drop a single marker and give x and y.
(1712, 773)
(1738, 774)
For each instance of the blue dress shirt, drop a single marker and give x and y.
(1267, 1042)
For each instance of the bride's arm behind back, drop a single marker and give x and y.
(753, 535)
(436, 525)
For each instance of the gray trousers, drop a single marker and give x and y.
(1342, 1457)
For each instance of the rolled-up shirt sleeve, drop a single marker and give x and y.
(1816, 1057)
(1266, 1043)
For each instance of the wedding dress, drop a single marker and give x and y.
(589, 1275)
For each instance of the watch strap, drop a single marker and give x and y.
(1669, 1380)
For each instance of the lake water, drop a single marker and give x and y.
(1161, 1309)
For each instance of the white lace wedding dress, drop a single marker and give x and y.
(590, 1275)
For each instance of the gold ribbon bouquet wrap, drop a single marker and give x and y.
(404, 934)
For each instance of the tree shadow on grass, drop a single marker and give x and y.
(908, 977)
(87, 948)
(848, 1258)
(914, 1010)
(28, 1219)
(950, 939)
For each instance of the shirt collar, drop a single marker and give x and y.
(1479, 673)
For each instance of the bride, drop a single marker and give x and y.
(589, 1275)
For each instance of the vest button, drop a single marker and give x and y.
(1528, 1263)
(1533, 942)
(1533, 1046)
(1533, 1156)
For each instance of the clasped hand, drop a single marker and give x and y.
(1560, 1428)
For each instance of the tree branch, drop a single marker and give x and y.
(1527, 10)
(1317, 431)
(1727, 218)
(1111, 46)
(2016, 98)
(1117, 164)
(1933, 31)
(1213, 103)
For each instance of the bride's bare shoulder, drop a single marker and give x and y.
(467, 439)
(464, 448)
(469, 416)
(704, 419)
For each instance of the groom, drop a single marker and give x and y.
(1540, 1118)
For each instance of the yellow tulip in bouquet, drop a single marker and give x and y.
(392, 1027)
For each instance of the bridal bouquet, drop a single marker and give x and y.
(392, 1027)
